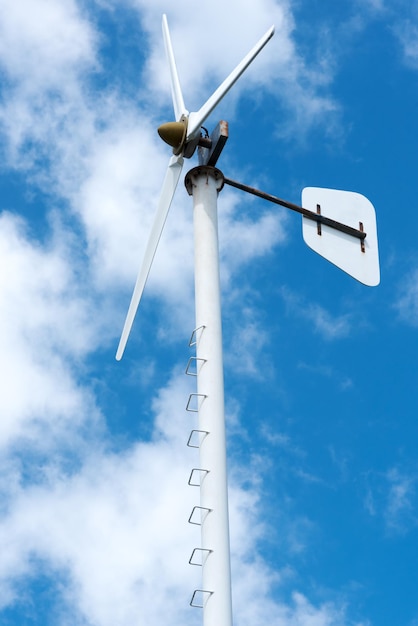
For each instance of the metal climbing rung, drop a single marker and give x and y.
(196, 476)
(198, 398)
(194, 365)
(192, 514)
(204, 555)
(195, 335)
(194, 439)
(200, 597)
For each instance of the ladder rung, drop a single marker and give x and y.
(193, 366)
(195, 335)
(205, 553)
(202, 597)
(196, 396)
(199, 473)
(193, 437)
(201, 508)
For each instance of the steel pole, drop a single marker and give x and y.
(204, 184)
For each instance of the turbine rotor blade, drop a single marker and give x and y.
(197, 118)
(169, 186)
(176, 93)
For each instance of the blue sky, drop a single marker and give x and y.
(320, 371)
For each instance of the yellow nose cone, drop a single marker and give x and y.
(173, 133)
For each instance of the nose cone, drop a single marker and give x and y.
(173, 133)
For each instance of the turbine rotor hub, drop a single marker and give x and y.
(174, 133)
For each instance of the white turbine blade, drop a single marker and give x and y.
(196, 119)
(169, 186)
(176, 93)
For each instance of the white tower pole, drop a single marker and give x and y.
(204, 184)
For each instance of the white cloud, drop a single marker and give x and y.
(407, 304)
(344, 382)
(46, 48)
(40, 39)
(116, 530)
(328, 326)
(245, 342)
(391, 497)
(406, 32)
(400, 500)
(246, 349)
(115, 538)
(243, 239)
(374, 5)
(45, 330)
(401, 17)
(299, 612)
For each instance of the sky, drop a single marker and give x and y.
(320, 371)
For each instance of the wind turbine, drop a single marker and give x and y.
(351, 245)
(212, 514)
(183, 135)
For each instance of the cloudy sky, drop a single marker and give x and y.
(320, 371)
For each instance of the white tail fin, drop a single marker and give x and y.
(359, 258)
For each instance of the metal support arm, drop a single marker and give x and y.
(316, 217)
